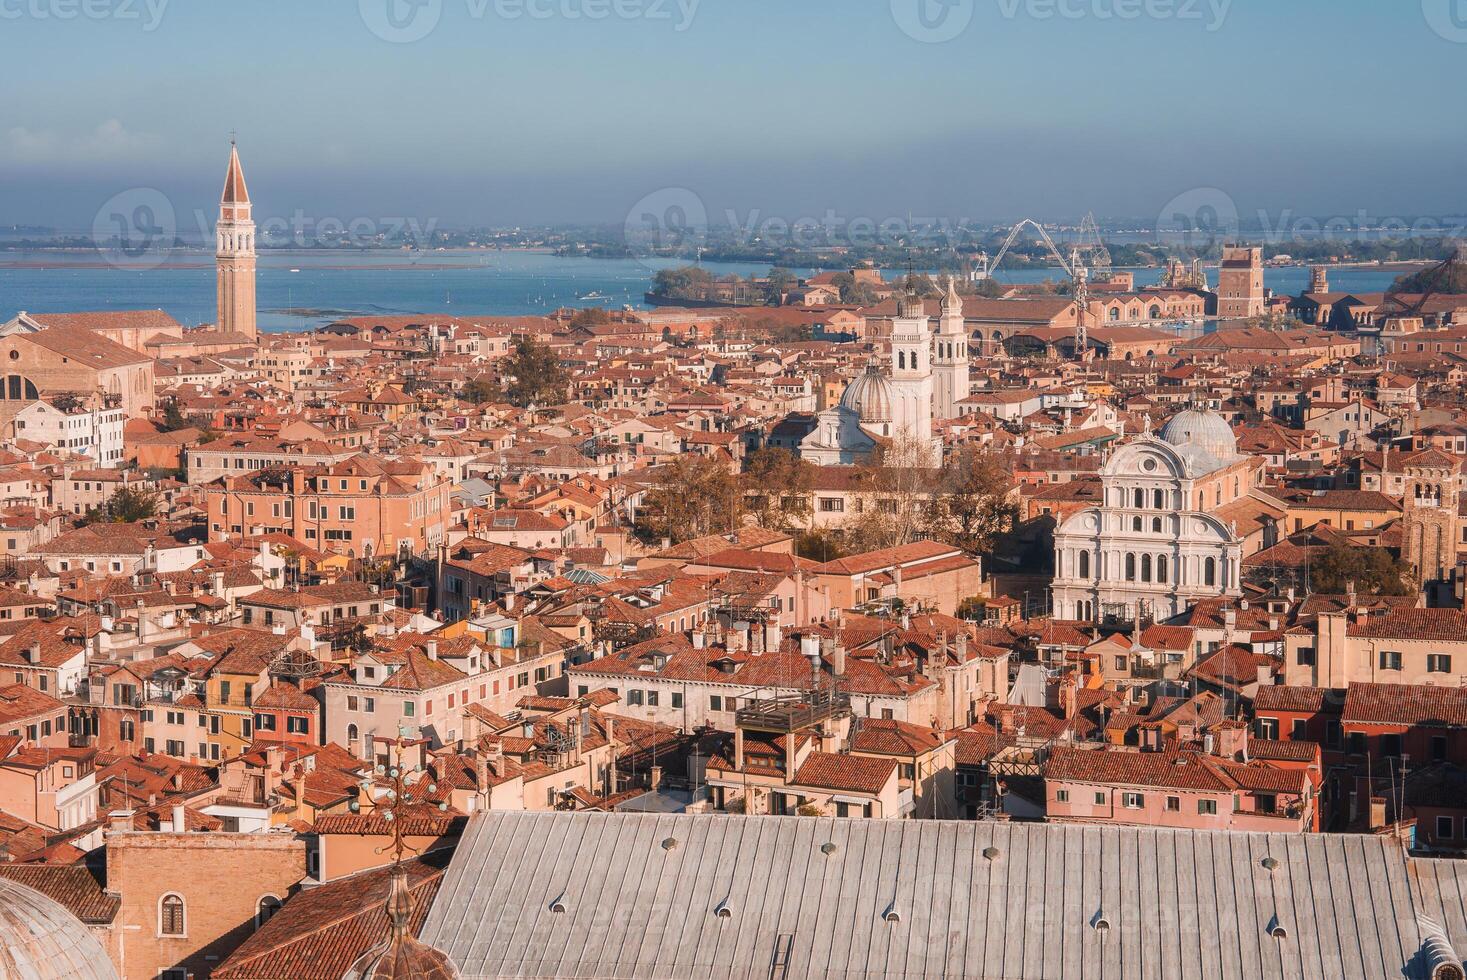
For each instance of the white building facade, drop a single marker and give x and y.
(1148, 552)
(95, 433)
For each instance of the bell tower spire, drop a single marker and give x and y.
(234, 253)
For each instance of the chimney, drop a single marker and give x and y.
(700, 638)
(1265, 675)
(1006, 720)
(773, 637)
(837, 658)
(810, 646)
(142, 622)
(481, 771)
(656, 777)
(432, 648)
(1350, 594)
(119, 821)
(756, 640)
(180, 821)
(1231, 741)
(1377, 813)
(1070, 693)
(1230, 620)
(216, 583)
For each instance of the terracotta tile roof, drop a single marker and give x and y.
(1286, 698)
(1406, 704)
(74, 887)
(828, 770)
(883, 736)
(1169, 770)
(1272, 750)
(1415, 624)
(320, 932)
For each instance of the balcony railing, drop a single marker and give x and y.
(790, 714)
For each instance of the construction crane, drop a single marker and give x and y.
(1074, 267)
(984, 269)
(1091, 245)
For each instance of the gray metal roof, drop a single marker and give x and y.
(926, 898)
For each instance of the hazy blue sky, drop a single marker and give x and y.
(502, 115)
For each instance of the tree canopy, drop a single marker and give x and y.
(777, 486)
(1369, 570)
(125, 506)
(693, 496)
(537, 376)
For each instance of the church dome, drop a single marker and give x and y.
(870, 396)
(39, 939)
(1204, 429)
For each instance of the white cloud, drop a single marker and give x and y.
(110, 141)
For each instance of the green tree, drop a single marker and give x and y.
(538, 378)
(173, 418)
(692, 497)
(780, 281)
(972, 506)
(1370, 570)
(589, 317)
(685, 282)
(897, 491)
(819, 544)
(125, 506)
(480, 390)
(777, 486)
(988, 288)
(1449, 279)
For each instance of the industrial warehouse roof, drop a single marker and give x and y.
(620, 895)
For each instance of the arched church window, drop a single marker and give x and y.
(1131, 567)
(1209, 572)
(901, 359)
(1162, 569)
(1135, 523)
(1085, 564)
(1140, 498)
(1146, 568)
(1158, 499)
(1156, 525)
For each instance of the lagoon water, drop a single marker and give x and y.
(300, 290)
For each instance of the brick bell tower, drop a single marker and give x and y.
(234, 254)
(1431, 521)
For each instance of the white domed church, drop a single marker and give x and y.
(1155, 545)
(895, 407)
